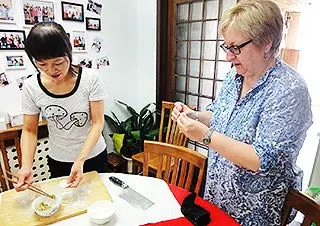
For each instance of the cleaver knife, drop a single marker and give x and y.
(131, 196)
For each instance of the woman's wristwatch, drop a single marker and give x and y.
(207, 138)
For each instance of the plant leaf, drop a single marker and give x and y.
(116, 118)
(129, 108)
(136, 134)
(144, 110)
(127, 125)
(114, 126)
(148, 122)
(154, 132)
(135, 122)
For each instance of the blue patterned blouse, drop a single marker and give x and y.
(273, 117)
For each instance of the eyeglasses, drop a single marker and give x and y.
(235, 49)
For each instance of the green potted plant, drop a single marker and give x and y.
(128, 135)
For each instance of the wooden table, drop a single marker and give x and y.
(44, 122)
(42, 129)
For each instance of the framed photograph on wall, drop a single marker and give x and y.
(72, 11)
(21, 80)
(93, 24)
(6, 11)
(79, 41)
(14, 62)
(85, 61)
(94, 7)
(103, 62)
(3, 79)
(37, 11)
(12, 39)
(97, 44)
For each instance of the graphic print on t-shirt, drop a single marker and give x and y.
(57, 114)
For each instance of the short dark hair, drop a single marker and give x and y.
(48, 40)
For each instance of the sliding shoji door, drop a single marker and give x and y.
(196, 64)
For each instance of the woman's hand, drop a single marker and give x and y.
(76, 174)
(193, 129)
(25, 178)
(178, 109)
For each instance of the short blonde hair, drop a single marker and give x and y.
(260, 21)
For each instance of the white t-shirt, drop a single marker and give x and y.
(68, 115)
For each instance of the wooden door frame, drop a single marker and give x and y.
(165, 81)
(162, 51)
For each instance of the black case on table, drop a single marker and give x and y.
(196, 214)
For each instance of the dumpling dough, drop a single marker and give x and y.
(67, 198)
(64, 184)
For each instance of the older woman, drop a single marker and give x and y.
(257, 125)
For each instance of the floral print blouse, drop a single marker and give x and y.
(273, 117)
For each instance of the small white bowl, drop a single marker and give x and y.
(101, 212)
(54, 205)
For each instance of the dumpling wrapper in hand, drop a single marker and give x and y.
(64, 184)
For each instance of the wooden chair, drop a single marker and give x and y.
(188, 164)
(8, 136)
(172, 136)
(303, 203)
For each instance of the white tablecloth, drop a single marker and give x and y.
(166, 207)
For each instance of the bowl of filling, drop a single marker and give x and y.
(45, 206)
(101, 212)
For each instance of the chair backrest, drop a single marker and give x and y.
(8, 136)
(176, 164)
(301, 202)
(172, 135)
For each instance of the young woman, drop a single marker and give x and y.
(71, 98)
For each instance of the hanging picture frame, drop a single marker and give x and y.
(15, 62)
(79, 41)
(93, 24)
(3, 79)
(37, 11)
(94, 7)
(12, 39)
(7, 11)
(21, 80)
(72, 11)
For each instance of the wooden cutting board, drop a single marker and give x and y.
(15, 207)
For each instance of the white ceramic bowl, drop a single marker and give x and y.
(101, 212)
(53, 203)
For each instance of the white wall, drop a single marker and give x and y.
(129, 34)
(121, 34)
(307, 65)
(131, 31)
(147, 12)
(10, 95)
(315, 176)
